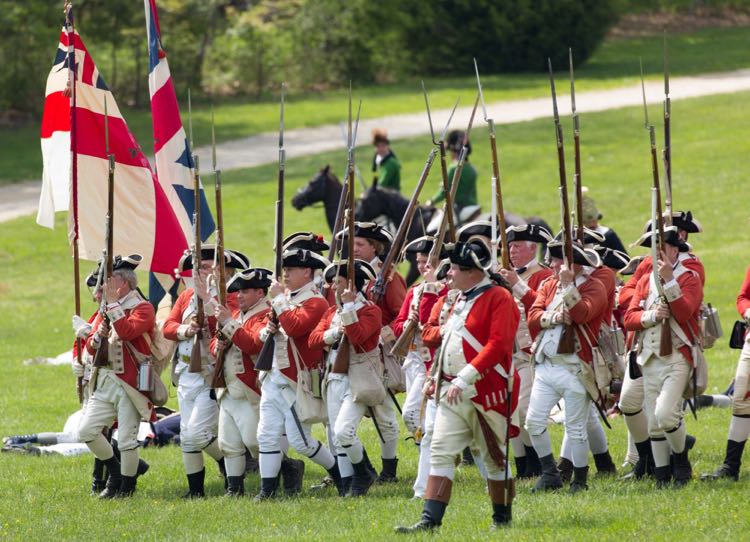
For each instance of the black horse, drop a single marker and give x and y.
(324, 187)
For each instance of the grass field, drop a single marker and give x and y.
(614, 64)
(42, 498)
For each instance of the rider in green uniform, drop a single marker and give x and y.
(466, 194)
(385, 166)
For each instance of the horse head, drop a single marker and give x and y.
(315, 190)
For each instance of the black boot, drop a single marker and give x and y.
(437, 497)
(346, 484)
(533, 466)
(196, 485)
(466, 457)
(682, 470)
(565, 467)
(362, 479)
(388, 474)
(142, 468)
(268, 487)
(98, 480)
(335, 475)
(292, 472)
(550, 479)
(223, 471)
(501, 493)
(235, 486)
(645, 460)
(580, 474)
(127, 488)
(731, 466)
(604, 464)
(520, 466)
(114, 481)
(663, 475)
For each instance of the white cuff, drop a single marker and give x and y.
(460, 383)
(210, 306)
(547, 319)
(571, 296)
(280, 304)
(672, 290)
(115, 312)
(182, 332)
(430, 288)
(230, 328)
(520, 288)
(349, 314)
(648, 318)
(263, 334)
(468, 375)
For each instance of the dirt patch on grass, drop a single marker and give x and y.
(650, 24)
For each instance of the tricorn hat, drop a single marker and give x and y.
(472, 229)
(473, 253)
(126, 262)
(590, 237)
(632, 265)
(441, 273)
(362, 270)
(671, 237)
(300, 257)
(682, 219)
(614, 259)
(528, 232)
(581, 256)
(253, 277)
(233, 259)
(368, 230)
(307, 240)
(424, 245)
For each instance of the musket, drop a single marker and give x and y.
(220, 262)
(667, 153)
(665, 342)
(100, 358)
(264, 362)
(361, 180)
(577, 184)
(567, 341)
(196, 355)
(448, 208)
(498, 218)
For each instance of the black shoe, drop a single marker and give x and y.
(466, 457)
(520, 466)
(501, 515)
(682, 471)
(732, 462)
(533, 466)
(689, 442)
(580, 474)
(196, 485)
(346, 484)
(645, 460)
(366, 459)
(663, 476)
(362, 479)
(388, 474)
(550, 479)
(268, 487)
(292, 472)
(432, 517)
(98, 480)
(142, 468)
(604, 464)
(335, 475)
(127, 488)
(114, 481)
(235, 486)
(565, 467)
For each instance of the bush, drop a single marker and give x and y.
(442, 37)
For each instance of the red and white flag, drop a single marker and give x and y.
(76, 167)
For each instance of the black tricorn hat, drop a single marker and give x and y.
(424, 245)
(671, 237)
(253, 277)
(362, 270)
(441, 273)
(300, 257)
(590, 237)
(307, 240)
(581, 256)
(614, 259)
(126, 262)
(682, 219)
(368, 230)
(472, 229)
(474, 253)
(632, 265)
(233, 259)
(528, 232)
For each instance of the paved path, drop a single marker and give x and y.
(21, 199)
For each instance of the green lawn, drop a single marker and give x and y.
(45, 497)
(614, 64)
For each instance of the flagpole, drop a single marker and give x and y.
(74, 184)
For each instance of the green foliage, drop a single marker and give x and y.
(443, 37)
